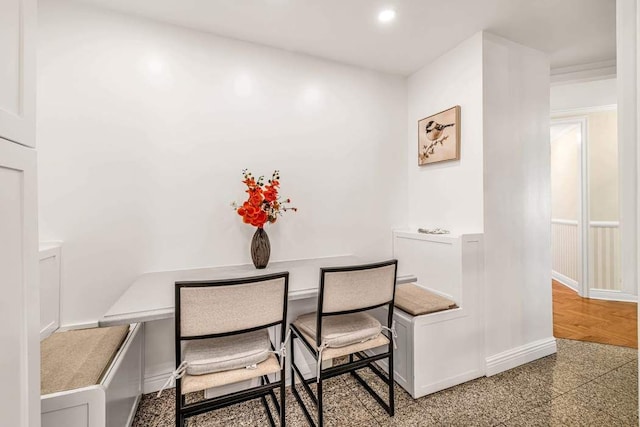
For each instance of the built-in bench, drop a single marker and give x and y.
(439, 319)
(89, 377)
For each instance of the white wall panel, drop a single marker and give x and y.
(604, 256)
(50, 288)
(517, 195)
(564, 249)
(18, 70)
(20, 356)
(627, 93)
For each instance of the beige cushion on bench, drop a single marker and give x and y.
(79, 358)
(226, 353)
(418, 301)
(341, 330)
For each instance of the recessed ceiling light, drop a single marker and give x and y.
(386, 15)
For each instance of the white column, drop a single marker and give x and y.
(627, 44)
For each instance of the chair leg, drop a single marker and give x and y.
(293, 374)
(319, 392)
(391, 383)
(283, 396)
(179, 417)
(294, 390)
(268, 411)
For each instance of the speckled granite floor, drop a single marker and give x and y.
(584, 384)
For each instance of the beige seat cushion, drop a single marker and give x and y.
(226, 353)
(341, 330)
(79, 358)
(193, 383)
(332, 353)
(417, 301)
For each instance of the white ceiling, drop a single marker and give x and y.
(573, 32)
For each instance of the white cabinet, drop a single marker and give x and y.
(19, 313)
(19, 304)
(18, 71)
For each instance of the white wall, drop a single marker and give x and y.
(144, 129)
(628, 57)
(500, 186)
(627, 12)
(602, 128)
(517, 197)
(448, 194)
(565, 173)
(570, 96)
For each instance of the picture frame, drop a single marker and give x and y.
(439, 137)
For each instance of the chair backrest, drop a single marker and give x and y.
(225, 307)
(356, 288)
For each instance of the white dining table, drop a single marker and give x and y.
(151, 296)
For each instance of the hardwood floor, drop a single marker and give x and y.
(584, 319)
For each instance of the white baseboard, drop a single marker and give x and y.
(520, 355)
(154, 383)
(611, 295)
(567, 281)
(602, 294)
(48, 330)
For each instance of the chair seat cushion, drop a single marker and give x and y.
(341, 330)
(194, 383)
(226, 353)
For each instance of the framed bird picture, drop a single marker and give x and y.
(439, 137)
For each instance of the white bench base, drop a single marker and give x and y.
(443, 349)
(112, 403)
(436, 351)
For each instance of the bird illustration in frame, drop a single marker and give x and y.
(439, 137)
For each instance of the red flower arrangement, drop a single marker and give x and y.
(263, 204)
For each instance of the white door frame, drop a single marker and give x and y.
(583, 205)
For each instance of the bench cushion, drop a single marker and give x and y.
(226, 353)
(417, 301)
(341, 330)
(78, 358)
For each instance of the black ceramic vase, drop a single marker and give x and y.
(260, 248)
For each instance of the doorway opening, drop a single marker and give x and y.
(590, 299)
